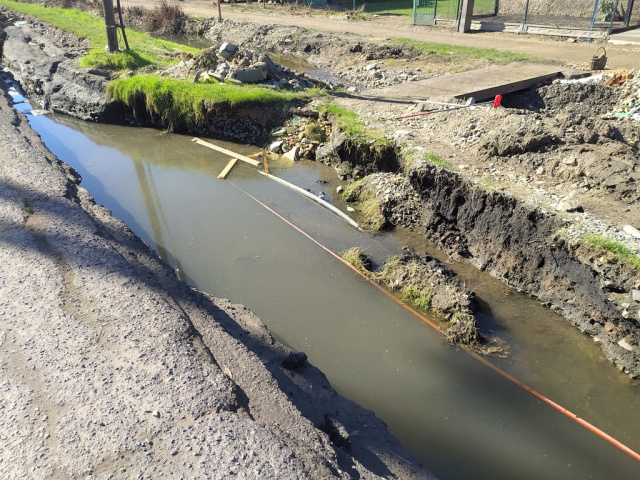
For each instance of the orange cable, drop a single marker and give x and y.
(475, 355)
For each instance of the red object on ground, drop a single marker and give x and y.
(496, 101)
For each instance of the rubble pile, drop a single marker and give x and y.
(628, 105)
(300, 137)
(374, 75)
(228, 63)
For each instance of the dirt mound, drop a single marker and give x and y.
(586, 99)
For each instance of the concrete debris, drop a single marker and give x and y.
(301, 137)
(628, 105)
(631, 231)
(231, 64)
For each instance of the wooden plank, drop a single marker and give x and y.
(227, 169)
(226, 152)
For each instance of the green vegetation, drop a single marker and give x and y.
(366, 204)
(359, 259)
(405, 7)
(621, 253)
(313, 132)
(183, 103)
(348, 122)
(460, 53)
(146, 50)
(29, 209)
(411, 156)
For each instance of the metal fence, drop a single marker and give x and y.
(560, 17)
(597, 17)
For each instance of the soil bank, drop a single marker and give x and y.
(110, 366)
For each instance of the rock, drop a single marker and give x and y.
(631, 231)
(625, 343)
(612, 287)
(336, 431)
(571, 161)
(635, 294)
(227, 50)
(294, 361)
(275, 147)
(352, 89)
(569, 206)
(371, 66)
(256, 73)
(540, 171)
(292, 154)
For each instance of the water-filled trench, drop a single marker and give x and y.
(461, 419)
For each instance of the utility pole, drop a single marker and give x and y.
(110, 22)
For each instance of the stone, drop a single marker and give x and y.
(635, 294)
(292, 154)
(227, 50)
(624, 343)
(371, 66)
(276, 146)
(631, 231)
(251, 74)
(294, 361)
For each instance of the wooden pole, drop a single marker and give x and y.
(465, 16)
(110, 22)
(124, 35)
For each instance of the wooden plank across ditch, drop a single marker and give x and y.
(227, 169)
(228, 152)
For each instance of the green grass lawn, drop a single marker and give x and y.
(405, 7)
(145, 50)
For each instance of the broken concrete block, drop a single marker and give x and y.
(227, 50)
(631, 231)
(249, 74)
(292, 154)
(276, 146)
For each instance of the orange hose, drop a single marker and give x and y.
(475, 355)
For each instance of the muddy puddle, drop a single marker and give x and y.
(461, 419)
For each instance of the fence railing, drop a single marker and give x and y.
(592, 16)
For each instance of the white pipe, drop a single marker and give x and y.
(315, 198)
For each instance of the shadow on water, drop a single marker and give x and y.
(459, 418)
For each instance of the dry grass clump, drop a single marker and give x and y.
(164, 20)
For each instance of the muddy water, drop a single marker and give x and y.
(460, 419)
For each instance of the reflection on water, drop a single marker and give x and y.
(461, 419)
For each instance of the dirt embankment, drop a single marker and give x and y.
(111, 367)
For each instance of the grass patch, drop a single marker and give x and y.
(145, 50)
(621, 253)
(418, 298)
(182, 103)
(350, 124)
(411, 157)
(405, 7)
(497, 57)
(359, 259)
(367, 206)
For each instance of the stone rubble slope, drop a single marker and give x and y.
(110, 367)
